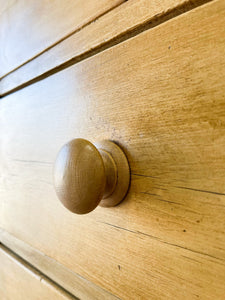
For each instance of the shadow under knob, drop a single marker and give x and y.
(86, 175)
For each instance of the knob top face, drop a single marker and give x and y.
(79, 176)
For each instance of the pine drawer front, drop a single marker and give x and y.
(28, 28)
(111, 27)
(160, 96)
(20, 281)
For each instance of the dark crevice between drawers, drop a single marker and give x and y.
(62, 39)
(155, 21)
(35, 271)
(74, 284)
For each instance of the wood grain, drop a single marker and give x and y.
(96, 37)
(71, 281)
(27, 28)
(160, 96)
(20, 281)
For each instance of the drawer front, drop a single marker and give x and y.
(20, 281)
(91, 39)
(27, 28)
(160, 95)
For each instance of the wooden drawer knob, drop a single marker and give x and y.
(86, 175)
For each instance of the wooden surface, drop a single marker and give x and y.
(27, 28)
(20, 281)
(63, 276)
(97, 36)
(160, 96)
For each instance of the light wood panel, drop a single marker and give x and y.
(5, 5)
(29, 27)
(20, 281)
(71, 281)
(106, 31)
(160, 96)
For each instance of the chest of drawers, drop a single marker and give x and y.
(158, 92)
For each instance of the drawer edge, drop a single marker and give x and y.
(20, 278)
(85, 43)
(75, 284)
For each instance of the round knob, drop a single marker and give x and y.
(86, 175)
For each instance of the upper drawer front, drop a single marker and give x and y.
(108, 29)
(27, 28)
(160, 95)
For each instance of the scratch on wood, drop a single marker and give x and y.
(172, 202)
(147, 193)
(148, 176)
(33, 161)
(164, 242)
(197, 190)
(190, 258)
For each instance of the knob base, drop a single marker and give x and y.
(123, 173)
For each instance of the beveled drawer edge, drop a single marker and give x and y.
(75, 284)
(88, 16)
(84, 43)
(22, 264)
